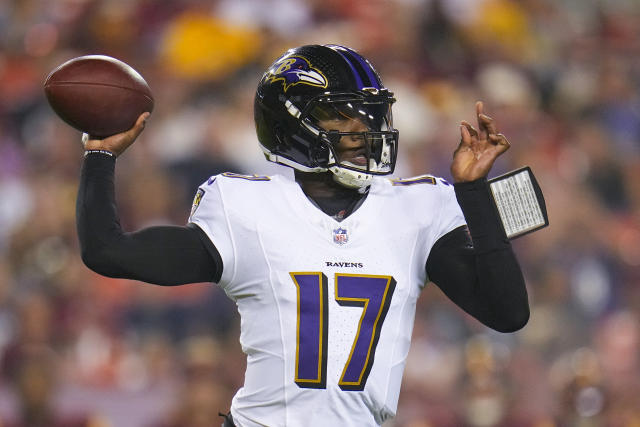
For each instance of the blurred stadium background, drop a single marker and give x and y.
(562, 79)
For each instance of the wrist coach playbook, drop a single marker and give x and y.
(519, 201)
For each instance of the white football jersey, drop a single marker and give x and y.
(327, 307)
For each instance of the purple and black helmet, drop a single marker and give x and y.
(313, 83)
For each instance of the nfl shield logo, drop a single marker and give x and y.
(340, 236)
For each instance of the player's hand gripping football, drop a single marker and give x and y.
(478, 149)
(119, 142)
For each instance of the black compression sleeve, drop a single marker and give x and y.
(476, 267)
(163, 255)
(481, 216)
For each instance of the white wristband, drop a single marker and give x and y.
(108, 153)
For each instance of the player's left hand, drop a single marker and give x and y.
(478, 150)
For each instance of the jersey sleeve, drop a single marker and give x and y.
(209, 214)
(451, 216)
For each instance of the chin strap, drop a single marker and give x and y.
(351, 179)
(348, 177)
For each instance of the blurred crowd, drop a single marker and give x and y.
(562, 80)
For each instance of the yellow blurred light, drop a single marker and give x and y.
(198, 46)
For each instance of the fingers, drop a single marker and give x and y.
(124, 140)
(139, 126)
(500, 141)
(465, 141)
(472, 131)
(485, 123)
(136, 130)
(119, 142)
(479, 108)
(488, 133)
(465, 136)
(142, 118)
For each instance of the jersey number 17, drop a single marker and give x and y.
(372, 293)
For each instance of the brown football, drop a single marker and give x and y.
(98, 94)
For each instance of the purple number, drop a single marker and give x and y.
(311, 345)
(372, 293)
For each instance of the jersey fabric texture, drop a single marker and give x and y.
(327, 307)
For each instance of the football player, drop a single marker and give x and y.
(325, 268)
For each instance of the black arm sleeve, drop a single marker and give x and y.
(476, 267)
(163, 255)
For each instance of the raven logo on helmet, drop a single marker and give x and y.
(292, 70)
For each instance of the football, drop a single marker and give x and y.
(98, 94)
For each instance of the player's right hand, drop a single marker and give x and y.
(117, 143)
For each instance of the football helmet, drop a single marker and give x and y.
(315, 96)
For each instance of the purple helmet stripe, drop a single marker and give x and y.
(353, 69)
(373, 80)
(367, 68)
